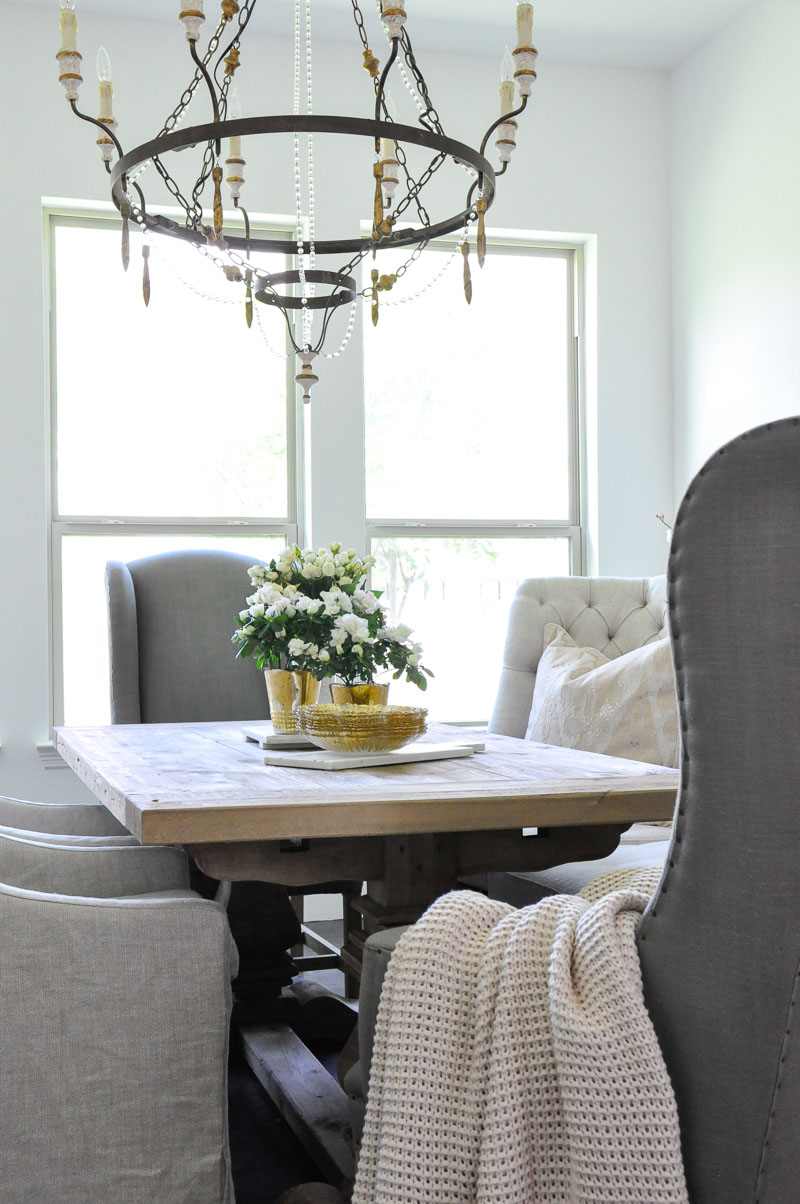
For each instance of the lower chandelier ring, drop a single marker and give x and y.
(344, 290)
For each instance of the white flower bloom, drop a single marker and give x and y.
(416, 655)
(313, 606)
(298, 647)
(257, 611)
(248, 630)
(324, 655)
(357, 649)
(345, 580)
(244, 614)
(402, 632)
(354, 625)
(337, 639)
(366, 601)
(328, 568)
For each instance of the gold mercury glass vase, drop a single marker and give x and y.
(288, 689)
(365, 695)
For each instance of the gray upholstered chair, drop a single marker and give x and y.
(720, 942)
(116, 1013)
(167, 669)
(170, 621)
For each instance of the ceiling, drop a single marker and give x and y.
(635, 33)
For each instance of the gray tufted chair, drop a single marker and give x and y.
(612, 614)
(615, 615)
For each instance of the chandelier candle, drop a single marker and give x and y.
(322, 274)
(69, 61)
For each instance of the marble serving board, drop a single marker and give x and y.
(320, 758)
(265, 736)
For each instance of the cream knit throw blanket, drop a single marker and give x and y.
(514, 1060)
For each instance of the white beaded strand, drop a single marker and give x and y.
(351, 321)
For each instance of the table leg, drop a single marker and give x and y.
(417, 869)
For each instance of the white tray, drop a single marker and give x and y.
(320, 758)
(265, 736)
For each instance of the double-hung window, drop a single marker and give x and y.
(172, 426)
(472, 454)
(176, 426)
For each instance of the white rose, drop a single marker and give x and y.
(328, 568)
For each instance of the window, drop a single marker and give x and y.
(472, 456)
(175, 426)
(202, 442)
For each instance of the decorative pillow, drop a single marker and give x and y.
(624, 708)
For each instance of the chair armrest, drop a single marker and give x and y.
(98, 873)
(116, 1017)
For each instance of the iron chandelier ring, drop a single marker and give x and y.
(302, 123)
(344, 290)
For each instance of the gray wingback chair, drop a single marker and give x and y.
(116, 1014)
(170, 621)
(720, 942)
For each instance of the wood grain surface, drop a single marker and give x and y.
(199, 783)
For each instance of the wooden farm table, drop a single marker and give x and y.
(410, 831)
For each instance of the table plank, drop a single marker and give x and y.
(201, 783)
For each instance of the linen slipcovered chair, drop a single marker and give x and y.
(90, 820)
(171, 618)
(720, 943)
(116, 1013)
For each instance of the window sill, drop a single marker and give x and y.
(48, 756)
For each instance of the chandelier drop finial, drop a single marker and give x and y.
(406, 158)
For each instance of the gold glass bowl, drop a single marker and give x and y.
(355, 728)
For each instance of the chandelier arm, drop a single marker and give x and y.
(379, 100)
(101, 125)
(211, 89)
(413, 193)
(501, 120)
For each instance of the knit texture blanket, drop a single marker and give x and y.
(514, 1060)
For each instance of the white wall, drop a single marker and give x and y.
(736, 133)
(593, 158)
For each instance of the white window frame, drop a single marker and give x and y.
(574, 528)
(335, 515)
(290, 528)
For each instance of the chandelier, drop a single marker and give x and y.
(309, 294)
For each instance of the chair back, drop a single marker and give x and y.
(171, 618)
(61, 819)
(612, 614)
(720, 943)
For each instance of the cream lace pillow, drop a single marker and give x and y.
(625, 707)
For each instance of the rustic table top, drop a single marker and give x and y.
(192, 783)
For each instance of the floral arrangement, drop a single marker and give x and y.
(311, 611)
